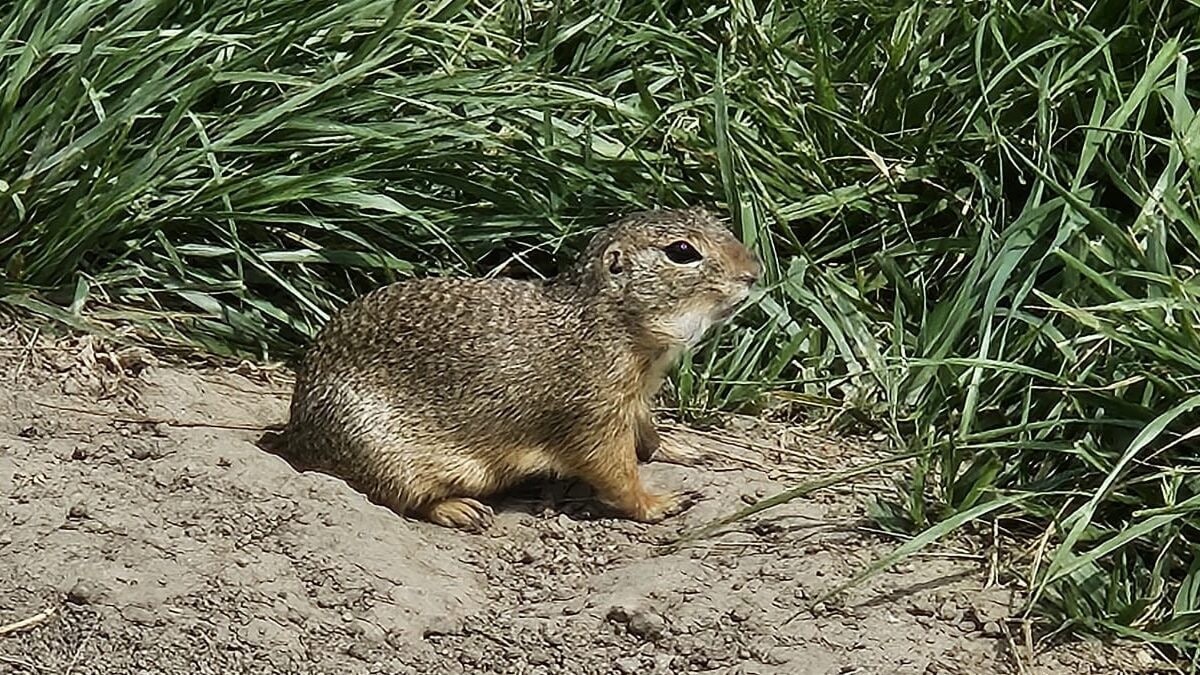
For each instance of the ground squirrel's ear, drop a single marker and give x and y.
(612, 258)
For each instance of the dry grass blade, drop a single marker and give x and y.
(29, 622)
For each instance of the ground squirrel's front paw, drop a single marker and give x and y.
(462, 513)
(671, 504)
(684, 500)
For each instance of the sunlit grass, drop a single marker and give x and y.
(979, 219)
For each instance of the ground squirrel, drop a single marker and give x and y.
(431, 394)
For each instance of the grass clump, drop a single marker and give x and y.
(979, 219)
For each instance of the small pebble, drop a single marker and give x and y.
(139, 452)
(360, 651)
(80, 452)
(617, 614)
(647, 625)
(81, 593)
(78, 511)
(992, 629)
(922, 607)
(949, 612)
(139, 615)
(629, 665)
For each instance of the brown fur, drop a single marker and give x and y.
(430, 394)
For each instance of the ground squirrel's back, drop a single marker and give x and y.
(430, 393)
(454, 357)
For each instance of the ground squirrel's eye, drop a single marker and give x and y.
(681, 252)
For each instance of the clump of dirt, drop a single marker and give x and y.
(129, 545)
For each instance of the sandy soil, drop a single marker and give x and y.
(135, 547)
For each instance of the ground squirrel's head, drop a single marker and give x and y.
(670, 274)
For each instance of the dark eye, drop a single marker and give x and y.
(682, 253)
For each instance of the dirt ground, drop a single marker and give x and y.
(136, 547)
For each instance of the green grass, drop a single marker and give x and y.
(979, 218)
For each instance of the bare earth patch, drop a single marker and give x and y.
(133, 547)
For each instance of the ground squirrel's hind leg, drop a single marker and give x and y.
(423, 481)
(460, 512)
(463, 513)
(612, 471)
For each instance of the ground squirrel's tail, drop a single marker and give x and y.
(277, 441)
(274, 438)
